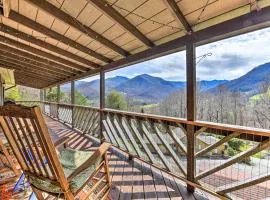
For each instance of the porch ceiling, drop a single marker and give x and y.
(53, 41)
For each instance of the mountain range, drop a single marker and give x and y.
(148, 88)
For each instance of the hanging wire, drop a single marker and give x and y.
(202, 57)
(146, 19)
(202, 11)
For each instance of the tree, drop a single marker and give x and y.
(52, 95)
(116, 100)
(80, 99)
(29, 94)
(13, 94)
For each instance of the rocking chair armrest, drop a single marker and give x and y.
(61, 141)
(100, 152)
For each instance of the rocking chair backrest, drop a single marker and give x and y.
(31, 143)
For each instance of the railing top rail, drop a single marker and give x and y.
(213, 125)
(66, 104)
(226, 127)
(146, 116)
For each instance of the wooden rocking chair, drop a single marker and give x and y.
(7, 164)
(64, 175)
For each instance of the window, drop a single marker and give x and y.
(233, 80)
(156, 86)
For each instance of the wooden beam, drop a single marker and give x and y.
(102, 102)
(49, 63)
(27, 71)
(121, 20)
(45, 74)
(178, 15)
(23, 62)
(43, 54)
(6, 7)
(32, 74)
(243, 24)
(54, 11)
(29, 81)
(38, 65)
(38, 77)
(48, 46)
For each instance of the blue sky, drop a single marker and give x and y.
(231, 58)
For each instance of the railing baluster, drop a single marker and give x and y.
(191, 162)
(177, 140)
(111, 136)
(169, 149)
(144, 145)
(220, 142)
(241, 156)
(157, 149)
(116, 137)
(95, 123)
(88, 116)
(132, 140)
(122, 136)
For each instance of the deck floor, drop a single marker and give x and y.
(132, 179)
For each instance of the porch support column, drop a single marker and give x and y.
(41, 95)
(191, 110)
(58, 99)
(41, 99)
(45, 95)
(72, 93)
(58, 94)
(72, 101)
(50, 91)
(102, 103)
(2, 91)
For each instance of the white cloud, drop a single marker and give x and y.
(230, 59)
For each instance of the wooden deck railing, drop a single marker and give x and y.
(223, 164)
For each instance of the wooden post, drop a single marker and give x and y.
(41, 99)
(191, 111)
(2, 90)
(102, 103)
(50, 91)
(45, 95)
(41, 95)
(58, 100)
(72, 100)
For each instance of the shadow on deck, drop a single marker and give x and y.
(132, 179)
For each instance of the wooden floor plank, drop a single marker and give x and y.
(137, 187)
(172, 190)
(127, 181)
(160, 186)
(148, 182)
(117, 178)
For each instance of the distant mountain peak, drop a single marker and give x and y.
(249, 82)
